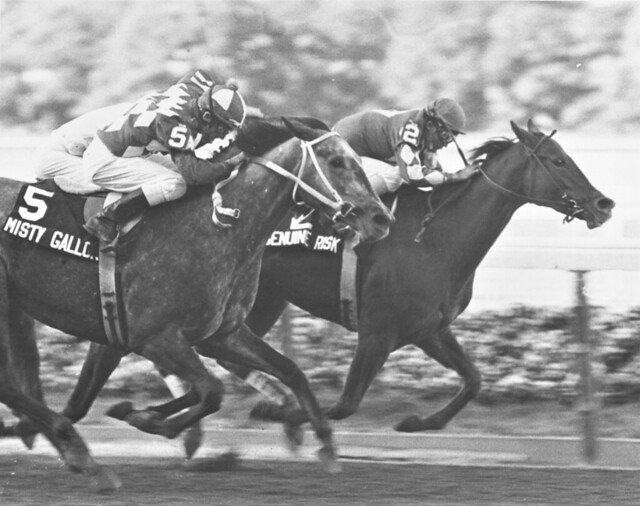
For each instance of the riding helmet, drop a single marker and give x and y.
(450, 112)
(223, 102)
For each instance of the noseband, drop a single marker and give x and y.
(573, 209)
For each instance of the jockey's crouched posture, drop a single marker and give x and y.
(400, 146)
(193, 121)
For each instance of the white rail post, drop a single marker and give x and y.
(587, 403)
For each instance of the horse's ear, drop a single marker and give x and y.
(299, 129)
(522, 135)
(311, 122)
(531, 126)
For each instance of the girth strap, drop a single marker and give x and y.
(114, 325)
(348, 291)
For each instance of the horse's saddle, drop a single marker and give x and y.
(45, 215)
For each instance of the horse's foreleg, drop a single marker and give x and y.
(171, 352)
(98, 365)
(448, 352)
(245, 348)
(371, 354)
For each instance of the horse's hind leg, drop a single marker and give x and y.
(55, 427)
(446, 350)
(24, 352)
(26, 365)
(245, 348)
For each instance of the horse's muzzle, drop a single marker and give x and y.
(599, 213)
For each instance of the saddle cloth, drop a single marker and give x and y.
(303, 232)
(46, 216)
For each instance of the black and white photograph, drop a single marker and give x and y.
(319, 252)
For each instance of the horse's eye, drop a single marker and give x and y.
(336, 162)
(559, 161)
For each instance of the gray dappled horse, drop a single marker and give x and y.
(185, 282)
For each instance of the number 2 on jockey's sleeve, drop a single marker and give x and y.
(410, 134)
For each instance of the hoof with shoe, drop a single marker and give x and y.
(120, 411)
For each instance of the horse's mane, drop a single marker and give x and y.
(490, 148)
(259, 135)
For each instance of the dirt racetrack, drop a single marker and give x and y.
(40, 480)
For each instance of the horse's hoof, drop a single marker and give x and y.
(192, 440)
(412, 423)
(27, 432)
(28, 440)
(294, 435)
(329, 461)
(224, 462)
(146, 420)
(120, 411)
(105, 480)
(267, 412)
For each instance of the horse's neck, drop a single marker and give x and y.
(261, 193)
(467, 227)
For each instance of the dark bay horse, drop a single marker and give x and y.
(411, 291)
(185, 281)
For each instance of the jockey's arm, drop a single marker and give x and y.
(430, 174)
(197, 171)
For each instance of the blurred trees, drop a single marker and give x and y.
(571, 64)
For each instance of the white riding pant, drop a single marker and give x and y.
(384, 177)
(156, 175)
(53, 161)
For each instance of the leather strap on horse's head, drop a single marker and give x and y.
(341, 207)
(573, 207)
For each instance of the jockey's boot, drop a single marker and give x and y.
(104, 225)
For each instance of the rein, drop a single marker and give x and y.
(338, 204)
(573, 208)
(431, 214)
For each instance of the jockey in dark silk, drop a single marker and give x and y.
(400, 146)
(193, 121)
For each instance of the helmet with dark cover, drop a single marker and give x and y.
(449, 112)
(223, 103)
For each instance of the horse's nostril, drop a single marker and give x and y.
(605, 204)
(381, 220)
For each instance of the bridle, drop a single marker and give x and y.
(341, 207)
(573, 208)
